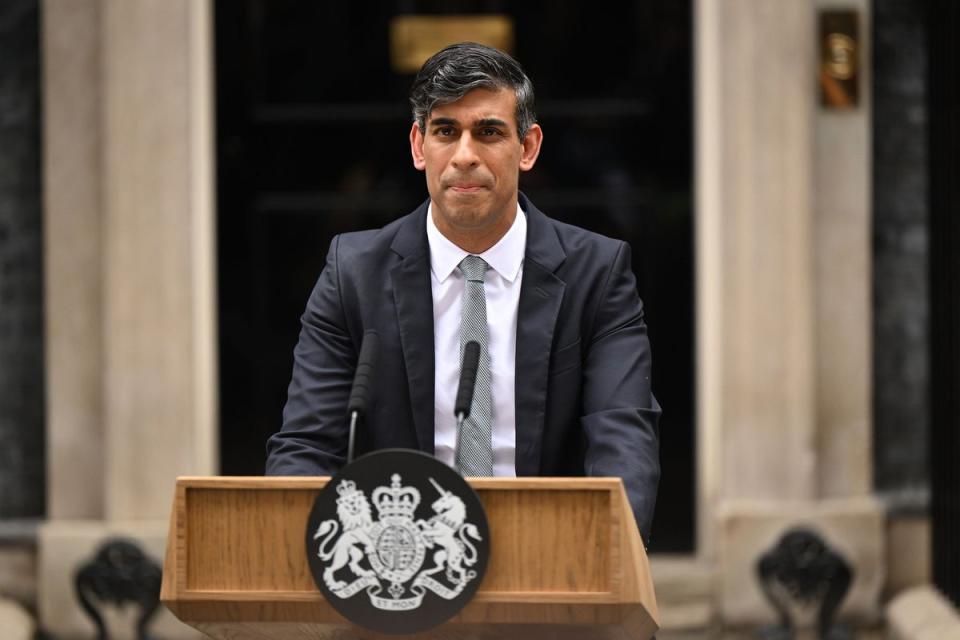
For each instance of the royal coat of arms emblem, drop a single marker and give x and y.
(395, 546)
(402, 545)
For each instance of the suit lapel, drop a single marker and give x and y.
(541, 293)
(413, 298)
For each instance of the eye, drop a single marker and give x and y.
(443, 131)
(490, 131)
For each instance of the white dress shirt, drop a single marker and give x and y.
(502, 289)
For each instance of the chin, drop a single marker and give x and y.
(469, 218)
(464, 212)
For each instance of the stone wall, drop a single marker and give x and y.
(129, 254)
(921, 614)
(21, 290)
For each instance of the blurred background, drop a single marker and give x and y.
(172, 172)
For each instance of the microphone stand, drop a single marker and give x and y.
(357, 405)
(468, 381)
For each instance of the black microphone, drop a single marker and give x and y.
(359, 392)
(468, 380)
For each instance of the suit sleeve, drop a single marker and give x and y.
(621, 416)
(313, 439)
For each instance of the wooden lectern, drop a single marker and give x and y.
(566, 562)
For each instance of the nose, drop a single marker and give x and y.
(465, 154)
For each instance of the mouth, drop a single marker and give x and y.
(466, 184)
(466, 188)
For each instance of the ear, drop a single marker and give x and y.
(531, 147)
(416, 147)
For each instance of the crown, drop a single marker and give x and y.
(396, 501)
(346, 490)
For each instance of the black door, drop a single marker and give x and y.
(312, 141)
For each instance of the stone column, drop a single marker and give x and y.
(72, 253)
(130, 256)
(783, 248)
(842, 256)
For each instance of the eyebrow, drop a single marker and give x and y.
(484, 122)
(491, 122)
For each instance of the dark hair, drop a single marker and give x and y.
(454, 71)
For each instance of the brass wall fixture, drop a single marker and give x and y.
(839, 67)
(414, 38)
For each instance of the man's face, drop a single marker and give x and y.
(472, 156)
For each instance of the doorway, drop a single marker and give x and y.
(312, 126)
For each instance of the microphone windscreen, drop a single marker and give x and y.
(468, 378)
(362, 379)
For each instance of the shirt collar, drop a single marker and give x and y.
(505, 257)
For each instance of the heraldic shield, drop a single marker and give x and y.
(398, 542)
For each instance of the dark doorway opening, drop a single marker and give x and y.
(312, 141)
(943, 138)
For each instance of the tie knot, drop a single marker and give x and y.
(473, 268)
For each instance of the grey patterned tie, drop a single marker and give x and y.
(474, 448)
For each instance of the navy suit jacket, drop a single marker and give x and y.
(583, 400)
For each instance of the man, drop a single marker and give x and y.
(564, 379)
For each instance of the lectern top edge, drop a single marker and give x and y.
(318, 482)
